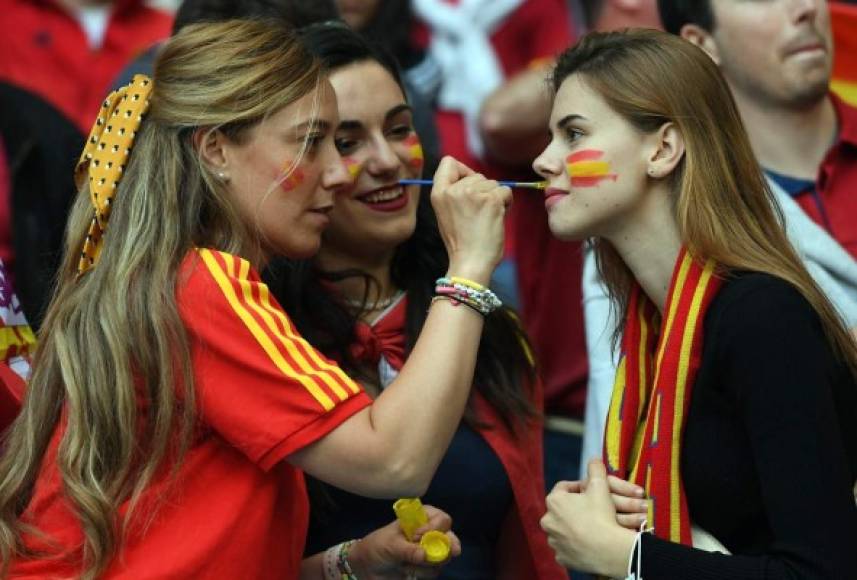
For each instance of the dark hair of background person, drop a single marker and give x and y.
(296, 12)
(677, 13)
(390, 27)
(504, 372)
(42, 146)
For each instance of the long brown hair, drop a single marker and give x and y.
(113, 337)
(723, 205)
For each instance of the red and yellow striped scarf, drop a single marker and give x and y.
(657, 369)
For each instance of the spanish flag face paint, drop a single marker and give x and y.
(353, 166)
(294, 177)
(586, 169)
(415, 151)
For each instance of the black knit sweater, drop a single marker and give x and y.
(769, 457)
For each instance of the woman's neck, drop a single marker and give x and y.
(649, 243)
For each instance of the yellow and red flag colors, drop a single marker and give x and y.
(659, 359)
(415, 151)
(843, 19)
(278, 346)
(586, 168)
(353, 166)
(17, 341)
(293, 176)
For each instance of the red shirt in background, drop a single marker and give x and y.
(836, 184)
(236, 509)
(549, 271)
(46, 51)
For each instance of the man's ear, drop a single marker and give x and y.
(695, 34)
(668, 151)
(211, 145)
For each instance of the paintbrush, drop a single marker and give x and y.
(512, 184)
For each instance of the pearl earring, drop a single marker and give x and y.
(222, 176)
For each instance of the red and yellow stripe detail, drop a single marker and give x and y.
(288, 352)
(353, 166)
(843, 21)
(415, 151)
(293, 176)
(643, 436)
(587, 169)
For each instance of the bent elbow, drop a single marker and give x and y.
(408, 478)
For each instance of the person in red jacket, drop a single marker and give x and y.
(363, 301)
(70, 51)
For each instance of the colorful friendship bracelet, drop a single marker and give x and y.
(464, 291)
(335, 562)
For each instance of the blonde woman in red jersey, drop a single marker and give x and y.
(173, 407)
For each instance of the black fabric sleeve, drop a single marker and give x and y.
(778, 367)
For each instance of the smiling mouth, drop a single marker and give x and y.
(384, 195)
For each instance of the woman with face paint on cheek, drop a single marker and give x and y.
(733, 420)
(364, 298)
(173, 406)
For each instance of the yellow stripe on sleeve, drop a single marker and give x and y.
(292, 334)
(288, 342)
(259, 334)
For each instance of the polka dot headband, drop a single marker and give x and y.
(105, 155)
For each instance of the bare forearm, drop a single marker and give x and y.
(514, 117)
(312, 568)
(436, 380)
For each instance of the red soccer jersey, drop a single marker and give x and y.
(837, 183)
(45, 51)
(236, 509)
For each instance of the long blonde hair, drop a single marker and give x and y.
(723, 205)
(113, 360)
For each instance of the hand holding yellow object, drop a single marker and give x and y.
(412, 516)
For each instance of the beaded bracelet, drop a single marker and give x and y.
(336, 565)
(466, 291)
(342, 560)
(455, 302)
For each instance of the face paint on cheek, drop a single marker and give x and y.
(294, 176)
(415, 151)
(586, 170)
(354, 167)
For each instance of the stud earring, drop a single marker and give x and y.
(223, 177)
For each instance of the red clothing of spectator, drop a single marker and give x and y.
(843, 24)
(11, 393)
(549, 271)
(46, 51)
(835, 206)
(536, 30)
(235, 509)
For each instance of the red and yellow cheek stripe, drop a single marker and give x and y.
(586, 169)
(415, 151)
(354, 167)
(294, 176)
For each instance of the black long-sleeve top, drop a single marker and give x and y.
(769, 457)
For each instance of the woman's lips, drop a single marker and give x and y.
(386, 199)
(554, 195)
